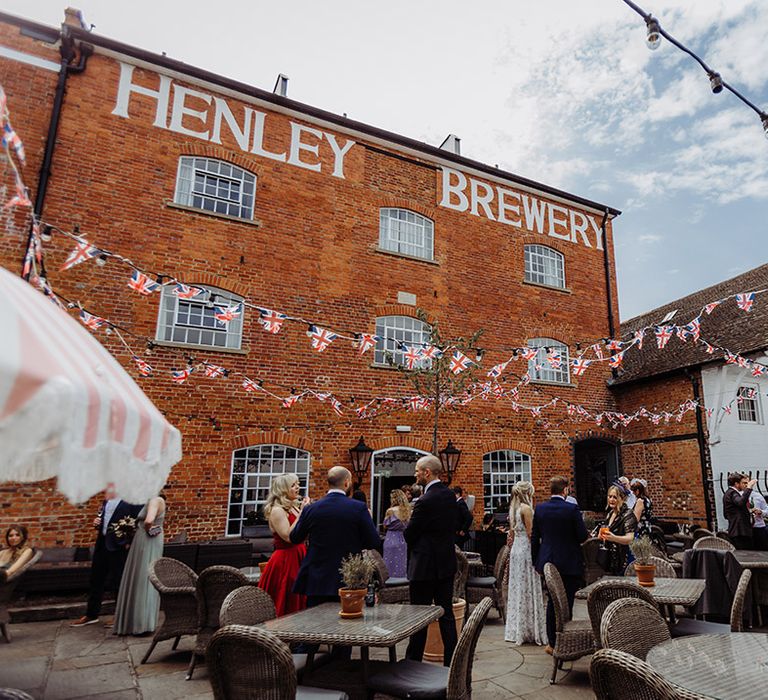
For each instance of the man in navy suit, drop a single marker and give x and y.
(109, 554)
(558, 531)
(432, 559)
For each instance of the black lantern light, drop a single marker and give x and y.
(449, 458)
(361, 459)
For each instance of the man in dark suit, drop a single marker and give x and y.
(465, 517)
(109, 554)
(736, 509)
(556, 537)
(432, 564)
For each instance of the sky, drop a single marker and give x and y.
(562, 92)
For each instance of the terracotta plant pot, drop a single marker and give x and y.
(645, 574)
(433, 650)
(352, 601)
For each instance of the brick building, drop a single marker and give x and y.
(264, 200)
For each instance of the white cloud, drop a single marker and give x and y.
(649, 238)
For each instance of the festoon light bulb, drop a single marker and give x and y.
(654, 33)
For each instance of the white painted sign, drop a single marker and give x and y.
(248, 129)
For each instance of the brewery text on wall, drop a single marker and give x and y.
(204, 116)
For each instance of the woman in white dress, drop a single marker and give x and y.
(526, 614)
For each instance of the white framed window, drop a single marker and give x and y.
(407, 232)
(501, 471)
(749, 404)
(214, 185)
(541, 369)
(253, 469)
(194, 322)
(394, 332)
(544, 266)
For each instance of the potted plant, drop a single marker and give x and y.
(356, 573)
(642, 548)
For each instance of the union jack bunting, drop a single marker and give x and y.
(21, 198)
(225, 314)
(536, 411)
(498, 369)
(411, 356)
(709, 308)
(614, 345)
(638, 337)
(184, 291)
(498, 391)
(250, 385)
(144, 367)
(710, 411)
(694, 328)
(745, 301)
(90, 321)
(663, 334)
(459, 362)
(727, 409)
(290, 401)
(710, 349)
(570, 409)
(336, 406)
(730, 358)
(320, 338)
(181, 376)
(11, 140)
(82, 252)
(748, 393)
(598, 351)
(525, 379)
(614, 361)
(431, 352)
(366, 342)
(655, 419)
(515, 406)
(529, 353)
(272, 321)
(142, 284)
(554, 359)
(580, 365)
(214, 371)
(757, 370)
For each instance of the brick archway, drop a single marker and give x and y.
(272, 437)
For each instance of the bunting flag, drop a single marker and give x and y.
(709, 308)
(459, 362)
(320, 338)
(496, 371)
(181, 376)
(580, 365)
(598, 349)
(336, 406)
(184, 291)
(694, 328)
(570, 409)
(638, 338)
(214, 371)
(21, 198)
(536, 411)
(225, 314)
(614, 361)
(745, 301)
(411, 356)
(710, 411)
(142, 284)
(431, 352)
(709, 349)
(529, 353)
(83, 251)
(663, 334)
(525, 379)
(250, 385)
(91, 321)
(757, 370)
(271, 320)
(727, 409)
(290, 401)
(366, 342)
(554, 359)
(145, 370)
(730, 358)
(614, 345)
(11, 139)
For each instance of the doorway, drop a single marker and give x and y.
(596, 467)
(390, 468)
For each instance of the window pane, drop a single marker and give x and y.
(215, 186)
(552, 363)
(403, 231)
(544, 266)
(396, 331)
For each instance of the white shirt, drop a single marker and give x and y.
(434, 481)
(557, 495)
(571, 499)
(109, 509)
(758, 501)
(341, 491)
(631, 500)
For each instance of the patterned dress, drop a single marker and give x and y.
(644, 524)
(526, 614)
(395, 549)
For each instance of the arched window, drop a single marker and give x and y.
(253, 469)
(544, 266)
(193, 321)
(396, 331)
(501, 471)
(551, 363)
(214, 185)
(407, 232)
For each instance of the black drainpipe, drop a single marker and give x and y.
(608, 291)
(67, 51)
(702, 449)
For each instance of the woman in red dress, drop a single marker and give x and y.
(282, 510)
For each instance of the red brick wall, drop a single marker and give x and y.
(313, 255)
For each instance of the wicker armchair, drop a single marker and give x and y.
(247, 605)
(391, 590)
(604, 593)
(408, 679)
(213, 585)
(702, 532)
(175, 582)
(713, 543)
(13, 694)
(574, 637)
(249, 663)
(616, 674)
(592, 570)
(7, 589)
(664, 569)
(689, 626)
(634, 626)
(460, 577)
(478, 587)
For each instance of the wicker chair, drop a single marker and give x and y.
(723, 535)
(663, 568)
(247, 605)
(7, 589)
(478, 587)
(689, 626)
(634, 626)
(175, 582)
(408, 679)
(592, 570)
(604, 593)
(249, 663)
(616, 674)
(460, 577)
(713, 543)
(574, 637)
(391, 590)
(701, 532)
(213, 585)
(13, 694)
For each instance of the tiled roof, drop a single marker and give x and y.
(728, 326)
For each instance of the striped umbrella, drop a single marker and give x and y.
(69, 410)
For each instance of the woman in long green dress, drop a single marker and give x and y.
(138, 603)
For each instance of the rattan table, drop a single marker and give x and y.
(723, 666)
(750, 559)
(380, 626)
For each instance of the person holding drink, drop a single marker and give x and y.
(616, 532)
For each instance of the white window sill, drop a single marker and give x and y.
(206, 348)
(405, 256)
(548, 286)
(544, 382)
(205, 212)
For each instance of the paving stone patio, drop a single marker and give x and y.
(52, 661)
